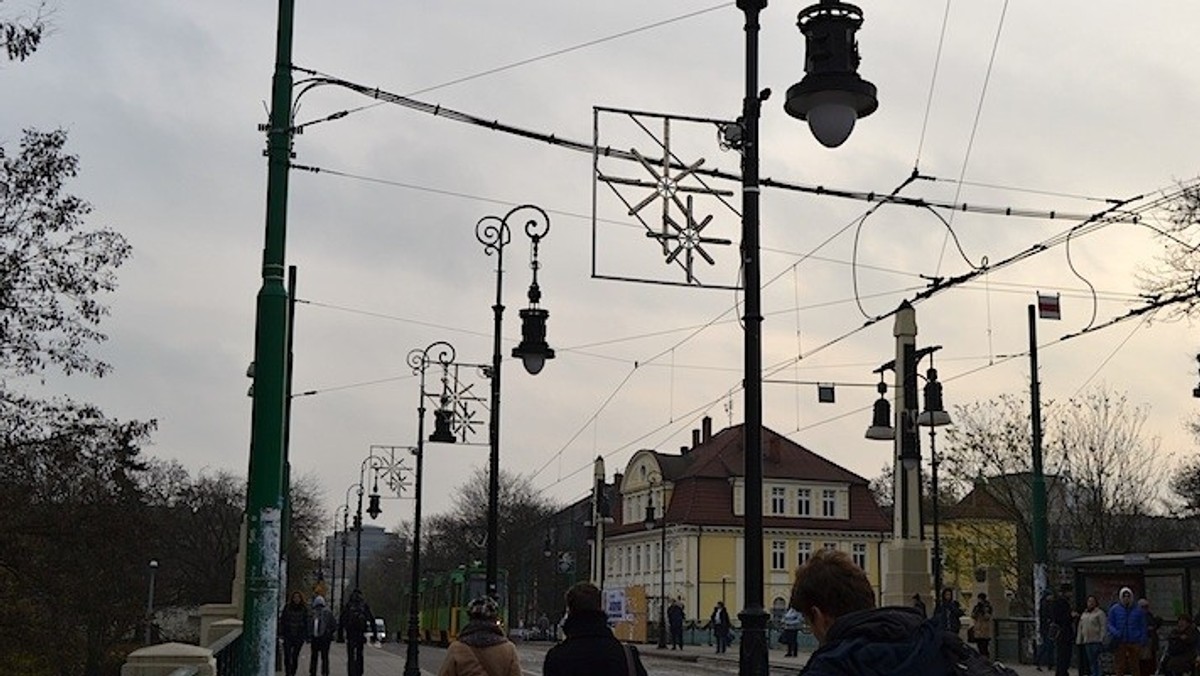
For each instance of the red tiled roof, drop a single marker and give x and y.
(703, 486)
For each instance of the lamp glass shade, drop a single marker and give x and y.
(650, 518)
(831, 123)
(933, 419)
(911, 464)
(533, 363)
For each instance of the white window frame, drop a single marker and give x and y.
(804, 502)
(859, 554)
(803, 552)
(778, 500)
(779, 555)
(828, 503)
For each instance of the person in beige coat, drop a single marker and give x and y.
(981, 630)
(1093, 629)
(481, 648)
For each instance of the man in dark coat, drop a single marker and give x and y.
(293, 629)
(675, 623)
(1064, 618)
(855, 637)
(355, 622)
(720, 624)
(590, 648)
(322, 627)
(947, 614)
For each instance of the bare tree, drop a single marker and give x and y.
(1176, 270)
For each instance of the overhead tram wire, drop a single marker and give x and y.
(608, 151)
(516, 64)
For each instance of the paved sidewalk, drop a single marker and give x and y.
(376, 662)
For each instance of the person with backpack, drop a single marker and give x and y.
(355, 622)
(590, 649)
(293, 629)
(481, 648)
(854, 637)
(323, 625)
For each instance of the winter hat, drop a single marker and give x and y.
(483, 608)
(318, 602)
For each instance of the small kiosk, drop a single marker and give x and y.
(1170, 581)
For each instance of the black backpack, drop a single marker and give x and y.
(966, 661)
(356, 618)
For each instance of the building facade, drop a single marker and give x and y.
(809, 503)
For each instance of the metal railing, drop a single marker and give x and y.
(227, 650)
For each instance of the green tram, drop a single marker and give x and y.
(444, 599)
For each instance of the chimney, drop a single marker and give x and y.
(706, 428)
(695, 438)
(683, 450)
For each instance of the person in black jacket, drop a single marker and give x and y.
(355, 622)
(590, 648)
(1064, 618)
(293, 629)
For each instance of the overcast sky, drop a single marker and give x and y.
(162, 101)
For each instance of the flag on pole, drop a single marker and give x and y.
(1048, 306)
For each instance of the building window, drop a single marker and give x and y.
(804, 551)
(637, 560)
(778, 495)
(859, 554)
(778, 555)
(831, 546)
(829, 502)
(804, 502)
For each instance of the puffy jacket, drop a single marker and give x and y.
(1128, 624)
(590, 649)
(293, 622)
(891, 640)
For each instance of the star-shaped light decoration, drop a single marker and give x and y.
(687, 239)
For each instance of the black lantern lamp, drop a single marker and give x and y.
(442, 433)
(374, 509)
(881, 421)
(934, 413)
(832, 96)
(534, 351)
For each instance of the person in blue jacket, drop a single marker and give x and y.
(1127, 629)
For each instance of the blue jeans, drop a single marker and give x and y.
(1093, 650)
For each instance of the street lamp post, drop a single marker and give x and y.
(150, 600)
(931, 415)
(494, 234)
(830, 97)
(662, 567)
(442, 353)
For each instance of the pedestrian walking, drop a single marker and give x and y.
(293, 629)
(792, 621)
(720, 625)
(1090, 635)
(675, 616)
(1127, 631)
(981, 629)
(355, 622)
(947, 614)
(1063, 618)
(481, 648)
(590, 649)
(323, 626)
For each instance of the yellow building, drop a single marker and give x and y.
(809, 503)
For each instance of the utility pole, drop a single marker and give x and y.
(264, 499)
(1040, 546)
